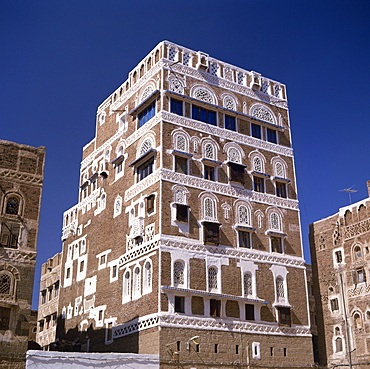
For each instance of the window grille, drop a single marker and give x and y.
(209, 209)
(12, 206)
(279, 170)
(229, 103)
(136, 282)
(181, 143)
(176, 86)
(209, 151)
(263, 114)
(186, 59)
(248, 284)
(148, 275)
(146, 146)
(5, 283)
(213, 69)
(240, 78)
(275, 222)
(127, 285)
(280, 293)
(243, 215)
(147, 92)
(277, 91)
(265, 87)
(172, 53)
(257, 164)
(180, 197)
(203, 95)
(178, 273)
(212, 278)
(233, 155)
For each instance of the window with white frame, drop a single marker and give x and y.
(209, 151)
(279, 170)
(209, 209)
(147, 278)
(275, 222)
(248, 284)
(127, 286)
(212, 278)
(280, 289)
(118, 162)
(181, 143)
(117, 206)
(258, 164)
(203, 95)
(136, 283)
(178, 273)
(244, 215)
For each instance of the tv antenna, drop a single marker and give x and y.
(349, 191)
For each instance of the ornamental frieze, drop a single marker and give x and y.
(357, 229)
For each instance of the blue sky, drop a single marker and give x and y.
(60, 59)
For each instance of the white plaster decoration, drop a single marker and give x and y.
(244, 217)
(147, 92)
(78, 306)
(209, 151)
(225, 134)
(263, 113)
(226, 208)
(145, 146)
(136, 282)
(102, 117)
(275, 222)
(196, 142)
(215, 187)
(180, 196)
(68, 273)
(209, 209)
(279, 170)
(213, 69)
(186, 58)
(228, 74)
(69, 311)
(257, 164)
(179, 273)
(240, 78)
(176, 85)
(212, 279)
(126, 286)
(281, 289)
(89, 303)
(356, 229)
(133, 253)
(135, 325)
(233, 155)
(149, 232)
(117, 206)
(147, 277)
(277, 90)
(256, 350)
(203, 94)
(265, 87)
(172, 52)
(81, 268)
(90, 286)
(228, 102)
(137, 228)
(181, 143)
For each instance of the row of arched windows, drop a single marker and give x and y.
(137, 282)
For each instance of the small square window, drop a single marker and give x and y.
(181, 165)
(82, 266)
(256, 131)
(338, 257)
(209, 173)
(114, 271)
(284, 316)
(258, 184)
(236, 172)
(281, 189)
(334, 305)
(211, 232)
(182, 213)
(276, 244)
(244, 239)
(102, 259)
(150, 203)
(179, 304)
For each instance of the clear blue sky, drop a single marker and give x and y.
(61, 59)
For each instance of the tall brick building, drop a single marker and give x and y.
(21, 177)
(340, 262)
(186, 239)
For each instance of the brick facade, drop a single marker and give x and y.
(340, 266)
(21, 177)
(187, 222)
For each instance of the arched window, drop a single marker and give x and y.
(337, 331)
(279, 170)
(212, 278)
(234, 156)
(178, 273)
(209, 151)
(176, 86)
(275, 222)
(248, 288)
(229, 103)
(12, 205)
(127, 285)
(181, 143)
(357, 320)
(338, 344)
(147, 276)
(258, 164)
(243, 215)
(147, 92)
(203, 95)
(145, 146)
(209, 209)
(136, 285)
(263, 114)
(280, 292)
(117, 206)
(5, 284)
(357, 251)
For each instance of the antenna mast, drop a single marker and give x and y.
(349, 191)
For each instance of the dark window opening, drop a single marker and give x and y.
(271, 135)
(82, 266)
(150, 203)
(236, 172)
(237, 349)
(280, 189)
(209, 173)
(12, 206)
(145, 169)
(204, 115)
(182, 213)
(179, 304)
(285, 351)
(114, 271)
(244, 239)
(9, 235)
(43, 297)
(338, 256)
(334, 305)
(249, 312)
(147, 114)
(178, 345)
(176, 107)
(211, 232)
(258, 184)
(216, 348)
(284, 316)
(276, 244)
(230, 123)
(256, 131)
(214, 308)
(181, 165)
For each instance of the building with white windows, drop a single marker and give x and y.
(185, 241)
(340, 264)
(21, 178)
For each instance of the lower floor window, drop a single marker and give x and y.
(209, 173)
(145, 169)
(249, 312)
(211, 232)
(276, 244)
(179, 304)
(182, 213)
(281, 189)
(244, 239)
(4, 318)
(284, 316)
(214, 307)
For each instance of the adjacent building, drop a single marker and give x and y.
(21, 177)
(185, 242)
(340, 262)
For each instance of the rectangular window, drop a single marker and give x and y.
(230, 123)
(211, 232)
(182, 213)
(68, 274)
(284, 316)
(147, 114)
(334, 305)
(236, 172)
(338, 257)
(145, 169)
(280, 189)
(102, 260)
(244, 239)
(214, 307)
(9, 235)
(256, 131)
(179, 304)
(43, 297)
(176, 107)
(237, 349)
(204, 115)
(56, 289)
(82, 266)
(276, 244)
(181, 165)
(249, 312)
(209, 172)
(50, 293)
(216, 348)
(359, 276)
(114, 271)
(258, 184)
(150, 203)
(271, 135)
(41, 325)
